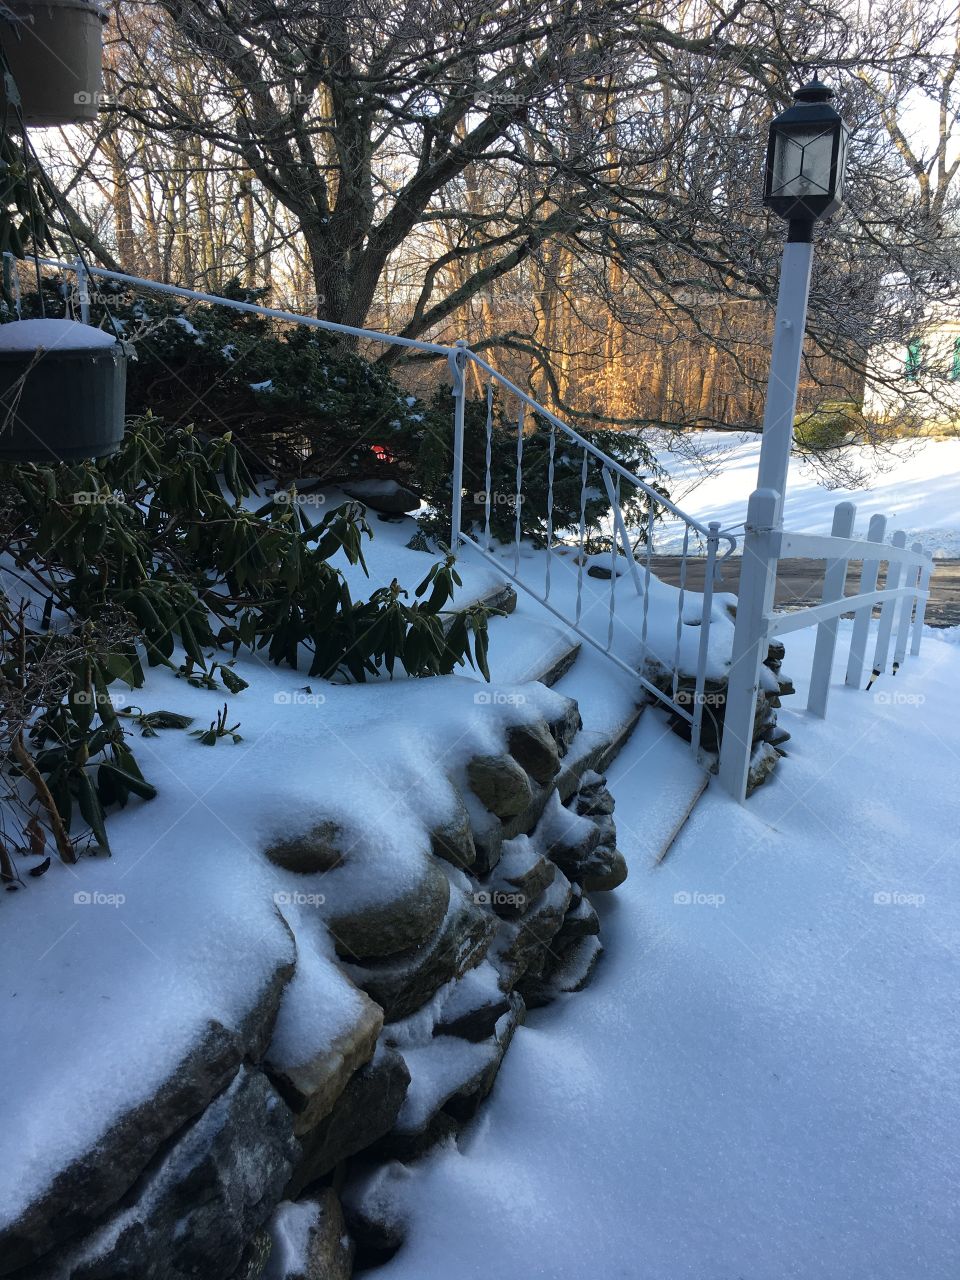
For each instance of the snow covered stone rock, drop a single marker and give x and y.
(523, 947)
(449, 1078)
(202, 1200)
(453, 839)
(474, 1005)
(402, 914)
(86, 1188)
(365, 1111)
(500, 784)
(310, 1088)
(567, 838)
(521, 875)
(565, 723)
(375, 1213)
(535, 749)
(385, 496)
(316, 850)
(763, 761)
(402, 984)
(605, 869)
(310, 1241)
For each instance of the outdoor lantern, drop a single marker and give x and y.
(806, 155)
(62, 391)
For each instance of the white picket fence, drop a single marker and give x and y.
(902, 603)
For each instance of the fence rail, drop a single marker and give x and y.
(902, 604)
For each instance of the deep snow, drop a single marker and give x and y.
(762, 1081)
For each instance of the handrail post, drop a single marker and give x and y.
(923, 586)
(834, 584)
(713, 543)
(869, 573)
(621, 529)
(83, 289)
(457, 360)
(885, 629)
(758, 580)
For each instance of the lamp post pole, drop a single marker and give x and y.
(783, 381)
(758, 566)
(806, 156)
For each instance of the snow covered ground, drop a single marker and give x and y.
(763, 1080)
(914, 482)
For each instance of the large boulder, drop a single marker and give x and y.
(402, 984)
(203, 1200)
(500, 784)
(407, 913)
(88, 1187)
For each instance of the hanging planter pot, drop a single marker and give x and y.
(55, 52)
(62, 391)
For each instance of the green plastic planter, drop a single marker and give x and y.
(60, 403)
(54, 48)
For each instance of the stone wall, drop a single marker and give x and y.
(233, 1170)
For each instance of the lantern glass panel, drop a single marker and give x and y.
(802, 163)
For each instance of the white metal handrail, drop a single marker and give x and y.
(609, 463)
(612, 473)
(271, 313)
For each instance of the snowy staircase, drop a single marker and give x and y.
(527, 643)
